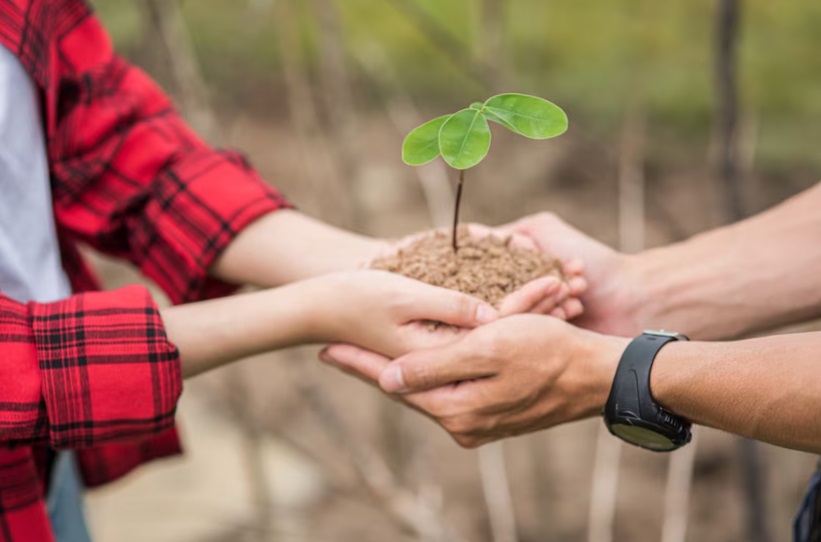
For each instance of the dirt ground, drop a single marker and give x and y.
(262, 465)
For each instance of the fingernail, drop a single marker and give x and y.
(325, 358)
(485, 314)
(392, 380)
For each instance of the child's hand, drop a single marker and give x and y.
(390, 314)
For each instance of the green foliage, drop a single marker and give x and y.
(463, 139)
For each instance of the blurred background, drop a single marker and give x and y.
(684, 115)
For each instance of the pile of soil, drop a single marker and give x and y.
(488, 268)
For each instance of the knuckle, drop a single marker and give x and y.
(459, 425)
(418, 376)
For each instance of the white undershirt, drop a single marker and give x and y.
(30, 268)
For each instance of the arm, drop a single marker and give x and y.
(757, 274)
(106, 366)
(374, 309)
(526, 373)
(287, 246)
(766, 389)
(746, 277)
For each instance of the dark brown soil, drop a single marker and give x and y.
(489, 268)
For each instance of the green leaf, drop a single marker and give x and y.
(477, 106)
(421, 145)
(529, 116)
(464, 139)
(499, 120)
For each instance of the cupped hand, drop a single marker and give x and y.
(556, 296)
(611, 297)
(391, 314)
(514, 376)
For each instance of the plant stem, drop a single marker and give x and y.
(456, 210)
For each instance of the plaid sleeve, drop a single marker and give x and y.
(92, 368)
(131, 179)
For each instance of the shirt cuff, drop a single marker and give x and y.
(220, 196)
(108, 371)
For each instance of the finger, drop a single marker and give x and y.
(573, 267)
(559, 313)
(577, 286)
(358, 362)
(427, 369)
(450, 307)
(528, 296)
(573, 308)
(545, 306)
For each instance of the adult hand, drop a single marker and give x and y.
(514, 376)
(612, 297)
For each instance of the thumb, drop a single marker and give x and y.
(450, 307)
(427, 369)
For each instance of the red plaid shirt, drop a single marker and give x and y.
(96, 372)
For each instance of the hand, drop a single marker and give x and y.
(514, 376)
(390, 314)
(611, 300)
(546, 295)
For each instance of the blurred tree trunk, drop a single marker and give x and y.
(726, 65)
(727, 114)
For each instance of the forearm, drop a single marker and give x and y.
(210, 334)
(286, 246)
(753, 275)
(766, 389)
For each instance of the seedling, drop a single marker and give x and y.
(463, 138)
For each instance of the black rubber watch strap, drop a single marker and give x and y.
(631, 401)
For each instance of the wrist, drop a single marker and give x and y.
(651, 276)
(621, 299)
(330, 307)
(603, 354)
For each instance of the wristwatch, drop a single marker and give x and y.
(631, 413)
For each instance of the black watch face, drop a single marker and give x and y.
(643, 437)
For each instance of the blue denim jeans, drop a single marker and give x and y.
(65, 501)
(807, 526)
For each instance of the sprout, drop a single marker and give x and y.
(463, 138)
